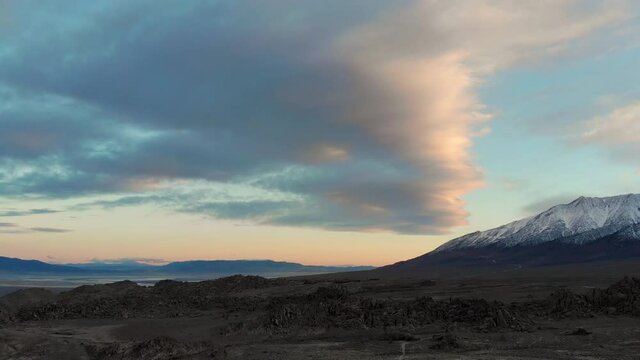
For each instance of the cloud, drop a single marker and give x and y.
(325, 153)
(617, 132)
(128, 261)
(11, 228)
(15, 213)
(287, 113)
(619, 127)
(419, 68)
(12, 231)
(48, 230)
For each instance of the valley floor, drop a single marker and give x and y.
(321, 318)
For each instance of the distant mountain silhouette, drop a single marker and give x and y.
(116, 265)
(19, 266)
(183, 268)
(250, 266)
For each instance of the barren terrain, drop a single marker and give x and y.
(526, 315)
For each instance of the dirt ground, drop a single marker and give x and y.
(610, 338)
(328, 317)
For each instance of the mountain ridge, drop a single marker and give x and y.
(584, 230)
(8, 264)
(582, 220)
(21, 266)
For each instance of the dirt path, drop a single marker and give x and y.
(403, 350)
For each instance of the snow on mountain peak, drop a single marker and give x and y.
(580, 221)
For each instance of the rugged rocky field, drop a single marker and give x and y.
(245, 317)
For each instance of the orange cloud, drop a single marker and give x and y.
(418, 71)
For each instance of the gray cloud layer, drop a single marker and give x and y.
(48, 230)
(15, 213)
(351, 115)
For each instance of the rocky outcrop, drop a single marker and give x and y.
(126, 299)
(333, 307)
(336, 308)
(565, 303)
(622, 297)
(6, 315)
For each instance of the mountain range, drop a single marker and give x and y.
(202, 268)
(584, 230)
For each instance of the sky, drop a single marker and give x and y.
(323, 132)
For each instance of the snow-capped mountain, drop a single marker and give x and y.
(581, 221)
(585, 230)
